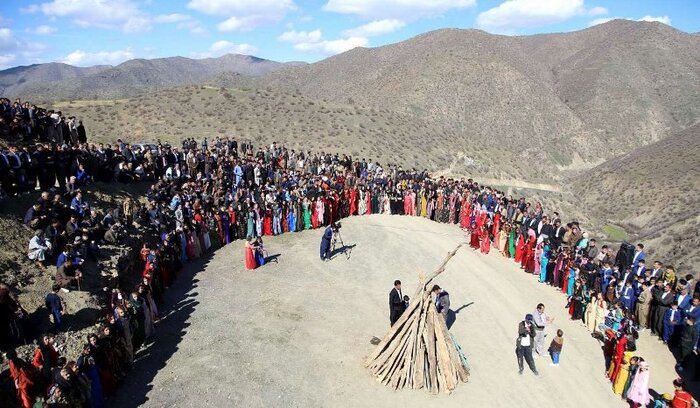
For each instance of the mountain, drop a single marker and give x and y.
(651, 194)
(128, 78)
(13, 81)
(552, 102)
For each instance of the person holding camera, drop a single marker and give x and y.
(326, 242)
(523, 345)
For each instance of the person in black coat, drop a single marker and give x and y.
(396, 303)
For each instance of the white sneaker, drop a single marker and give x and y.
(65, 290)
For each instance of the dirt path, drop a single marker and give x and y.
(295, 333)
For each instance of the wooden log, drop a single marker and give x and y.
(384, 357)
(429, 338)
(438, 271)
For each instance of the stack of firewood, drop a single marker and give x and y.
(418, 351)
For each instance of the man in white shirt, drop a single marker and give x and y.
(540, 320)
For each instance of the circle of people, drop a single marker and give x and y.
(208, 195)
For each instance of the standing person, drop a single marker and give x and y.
(326, 243)
(555, 348)
(638, 392)
(396, 303)
(523, 345)
(540, 320)
(688, 340)
(24, 376)
(681, 397)
(249, 254)
(442, 301)
(55, 306)
(643, 304)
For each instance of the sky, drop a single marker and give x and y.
(95, 32)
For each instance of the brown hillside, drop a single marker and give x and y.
(652, 193)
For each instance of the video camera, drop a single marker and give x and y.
(336, 226)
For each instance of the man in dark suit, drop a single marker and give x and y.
(396, 303)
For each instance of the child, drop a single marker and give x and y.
(555, 348)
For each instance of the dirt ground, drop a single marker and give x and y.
(294, 333)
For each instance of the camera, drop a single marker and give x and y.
(336, 226)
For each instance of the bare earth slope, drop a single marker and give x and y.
(652, 192)
(588, 94)
(295, 333)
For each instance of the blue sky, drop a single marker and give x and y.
(90, 32)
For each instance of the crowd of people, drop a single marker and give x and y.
(206, 195)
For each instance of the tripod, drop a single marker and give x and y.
(337, 237)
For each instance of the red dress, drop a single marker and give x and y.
(249, 257)
(530, 258)
(267, 223)
(464, 214)
(519, 247)
(314, 216)
(485, 241)
(617, 359)
(369, 203)
(353, 202)
(474, 241)
(25, 377)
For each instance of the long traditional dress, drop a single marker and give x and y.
(601, 309)
(474, 240)
(638, 391)
(307, 215)
(519, 249)
(423, 204)
(267, 223)
(291, 221)
(368, 204)
(249, 256)
(590, 313)
(353, 202)
(485, 240)
(617, 359)
(362, 204)
(320, 212)
(623, 373)
(465, 213)
(544, 261)
(511, 242)
(538, 258)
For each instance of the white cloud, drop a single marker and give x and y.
(375, 28)
(596, 11)
(397, 9)
(183, 21)
(313, 42)
(223, 47)
(85, 59)
(332, 47)
(13, 46)
(43, 30)
(5, 60)
(515, 14)
(243, 15)
(124, 15)
(662, 19)
(171, 18)
(296, 37)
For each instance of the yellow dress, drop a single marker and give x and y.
(624, 373)
(423, 206)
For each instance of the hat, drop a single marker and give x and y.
(77, 239)
(528, 316)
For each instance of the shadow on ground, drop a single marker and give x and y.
(180, 303)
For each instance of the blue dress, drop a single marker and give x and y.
(572, 280)
(544, 260)
(291, 221)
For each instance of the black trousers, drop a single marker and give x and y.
(525, 352)
(394, 316)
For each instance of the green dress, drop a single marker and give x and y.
(307, 216)
(511, 243)
(375, 204)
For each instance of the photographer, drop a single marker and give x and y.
(326, 241)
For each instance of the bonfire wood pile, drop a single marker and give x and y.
(418, 351)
